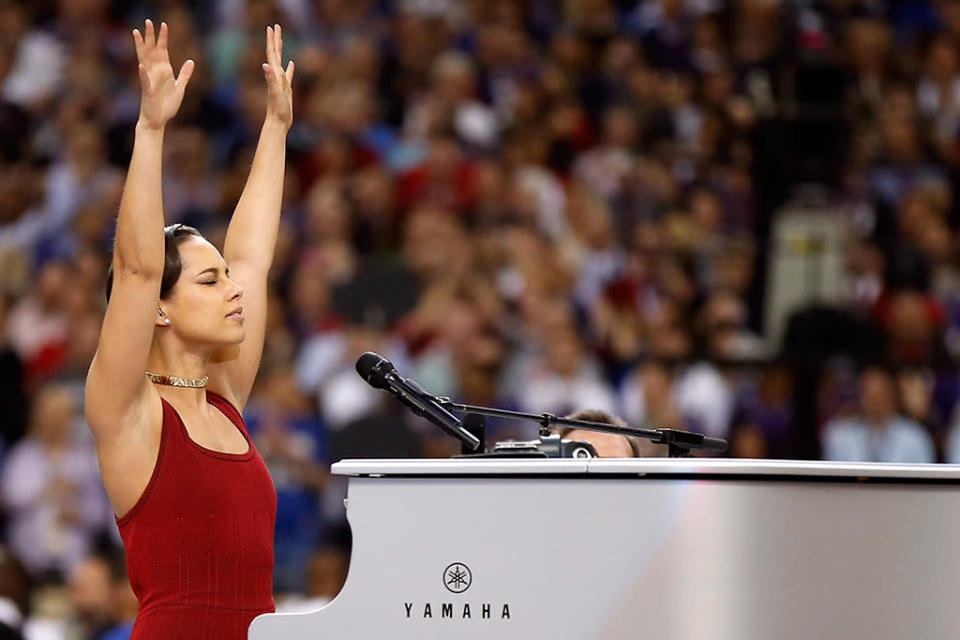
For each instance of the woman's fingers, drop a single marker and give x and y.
(275, 52)
(138, 43)
(268, 46)
(273, 67)
(186, 71)
(149, 37)
(162, 38)
(274, 47)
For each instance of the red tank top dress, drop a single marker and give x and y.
(199, 541)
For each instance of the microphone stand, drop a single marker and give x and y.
(679, 443)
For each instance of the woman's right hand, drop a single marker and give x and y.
(161, 93)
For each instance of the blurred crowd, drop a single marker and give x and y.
(544, 205)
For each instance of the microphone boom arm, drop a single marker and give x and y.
(679, 443)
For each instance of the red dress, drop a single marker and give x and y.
(199, 541)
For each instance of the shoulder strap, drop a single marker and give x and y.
(228, 409)
(170, 425)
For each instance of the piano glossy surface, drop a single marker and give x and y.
(665, 549)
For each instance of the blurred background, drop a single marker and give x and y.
(730, 216)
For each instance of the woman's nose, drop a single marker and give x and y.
(237, 292)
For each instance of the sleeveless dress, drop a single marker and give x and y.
(199, 541)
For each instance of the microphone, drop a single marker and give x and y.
(687, 440)
(381, 374)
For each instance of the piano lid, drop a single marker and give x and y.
(711, 467)
(460, 467)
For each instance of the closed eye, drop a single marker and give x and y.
(212, 272)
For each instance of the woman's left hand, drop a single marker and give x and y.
(279, 92)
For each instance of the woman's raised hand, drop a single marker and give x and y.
(279, 93)
(161, 93)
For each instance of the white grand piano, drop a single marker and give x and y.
(649, 548)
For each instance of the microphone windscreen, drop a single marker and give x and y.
(374, 368)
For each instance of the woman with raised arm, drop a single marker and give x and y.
(178, 353)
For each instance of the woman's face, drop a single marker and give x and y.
(204, 306)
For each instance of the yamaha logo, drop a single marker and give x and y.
(457, 577)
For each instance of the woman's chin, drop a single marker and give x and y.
(231, 338)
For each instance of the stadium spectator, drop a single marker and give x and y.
(102, 601)
(89, 585)
(38, 324)
(50, 484)
(764, 416)
(326, 572)
(293, 443)
(879, 433)
(563, 378)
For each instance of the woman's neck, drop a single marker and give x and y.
(172, 360)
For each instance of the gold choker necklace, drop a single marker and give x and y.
(177, 381)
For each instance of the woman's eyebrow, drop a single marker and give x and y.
(214, 271)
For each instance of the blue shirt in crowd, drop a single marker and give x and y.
(899, 440)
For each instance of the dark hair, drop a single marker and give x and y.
(173, 237)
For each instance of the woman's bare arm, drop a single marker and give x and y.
(116, 388)
(252, 234)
